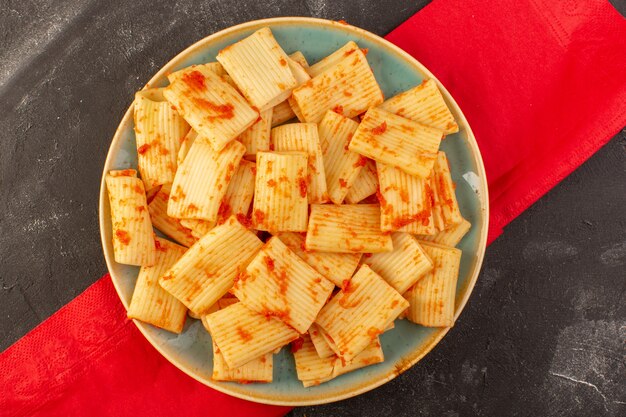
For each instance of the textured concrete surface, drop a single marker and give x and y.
(542, 335)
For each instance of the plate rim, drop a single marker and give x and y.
(483, 198)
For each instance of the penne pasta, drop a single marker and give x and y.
(208, 269)
(152, 304)
(396, 141)
(202, 180)
(159, 131)
(210, 105)
(451, 236)
(405, 201)
(336, 267)
(423, 104)
(404, 265)
(257, 137)
(361, 311)
(348, 87)
(280, 193)
(365, 184)
(239, 193)
(198, 227)
(260, 369)
(299, 58)
(349, 228)
(341, 165)
(446, 212)
(332, 59)
(168, 225)
(243, 335)
(303, 137)
(133, 239)
(432, 298)
(190, 137)
(278, 283)
(269, 80)
(282, 113)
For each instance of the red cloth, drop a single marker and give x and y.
(542, 85)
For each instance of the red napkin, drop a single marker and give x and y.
(541, 82)
(542, 85)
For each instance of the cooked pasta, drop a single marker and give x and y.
(349, 228)
(280, 193)
(396, 141)
(278, 283)
(423, 104)
(133, 239)
(432, 298)
(361, 311)
(208, 269)
(270, 80)
(152, 304)
(303, 137)
(212, 106)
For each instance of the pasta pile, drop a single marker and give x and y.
(319, 233)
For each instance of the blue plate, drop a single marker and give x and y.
(404, 345)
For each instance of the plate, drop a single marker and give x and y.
(407, 343)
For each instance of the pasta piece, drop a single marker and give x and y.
(168, 225)
(208, 269)
(341, 165)
(403, 266)
(301, 77)
(336, 267)
(319, 341)
(133, 239)
(432, 297)
(299, 58)
(280, 193)
(269, 80)
(332, 59)
(365, 184)
(405, 201)
(349, 87)
(350, 228)
(298, 71)
(423, 104)
(361, 311)
(303, 137)
(151, 303)
(186, 145)
(257, 137)
(446, 212)
(278, 283)
(257, 370)
(396, 141)
(310, 367)
(198, 227)
(371, 355)
(449, 237)
(210, 105)
(239, 193)
(243, 335)
(282, 113)
(159, 131)
(201, 181)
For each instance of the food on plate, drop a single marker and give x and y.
(307, 209)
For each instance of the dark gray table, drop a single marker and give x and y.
(543, 333)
